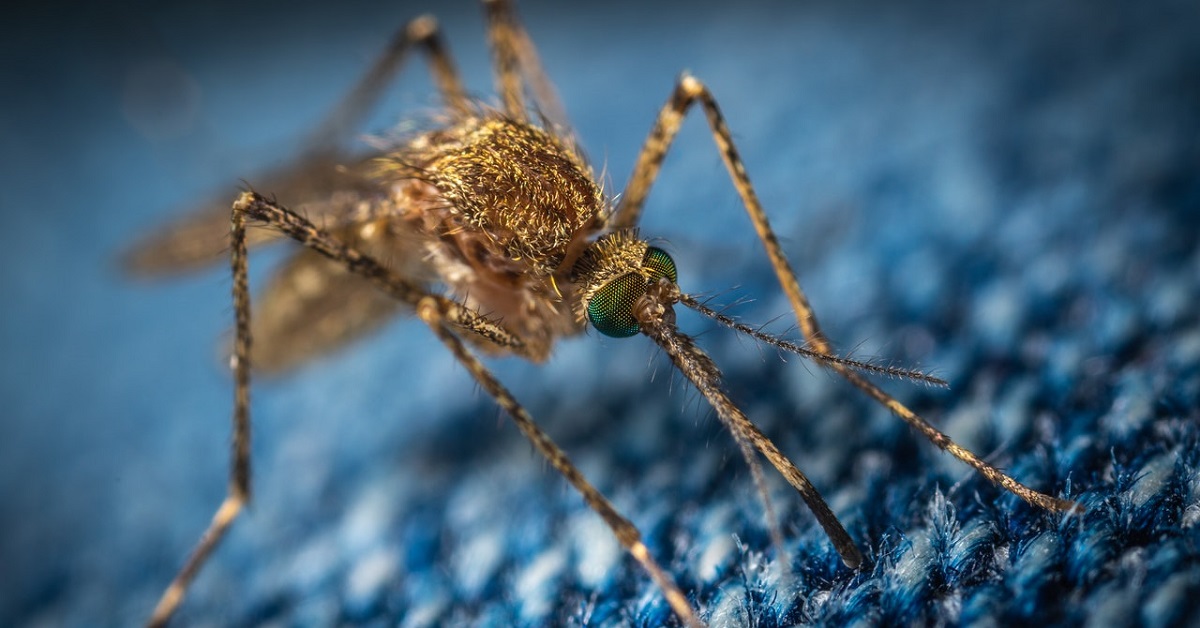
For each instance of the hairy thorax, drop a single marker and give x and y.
(506, 209)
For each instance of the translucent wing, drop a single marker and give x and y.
(313, 305)
(317, 186)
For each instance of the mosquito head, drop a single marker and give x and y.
(614, 274)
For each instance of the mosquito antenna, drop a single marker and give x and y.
(656, 320)
(816, 356)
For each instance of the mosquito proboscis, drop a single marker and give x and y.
(497, 204)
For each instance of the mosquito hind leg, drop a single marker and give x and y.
(689, 91)
(422, 32)
(516, 58)
(312, 176)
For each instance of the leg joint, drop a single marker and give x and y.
(422, 28)
(429, 311)
(691, 87)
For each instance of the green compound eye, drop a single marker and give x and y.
(660, 265)
(611, 308)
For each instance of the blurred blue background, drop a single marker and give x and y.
(1005, 194)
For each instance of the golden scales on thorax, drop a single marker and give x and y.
(505, 214)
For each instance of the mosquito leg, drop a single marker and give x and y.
(300, 229)
(689, 91)
(502, 29)
(434, 315)
(760, 484)
(238, 494)
(438, 312)
(254, 207)
(313, 175)
(349, 113)
(657, 322)
(516, 57)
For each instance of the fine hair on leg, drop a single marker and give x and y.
(689, 91)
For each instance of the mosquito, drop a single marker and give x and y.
(491, 227)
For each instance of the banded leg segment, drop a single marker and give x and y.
(689, 91)
(432, 312)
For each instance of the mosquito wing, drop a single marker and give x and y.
(317, 186)
(313, 305)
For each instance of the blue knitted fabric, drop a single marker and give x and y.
(1006, 196)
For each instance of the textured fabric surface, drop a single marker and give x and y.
(1006, 196)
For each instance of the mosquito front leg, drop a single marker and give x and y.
(422, 32)
(433, 313)
(656, 320)
(689, 91)
(438, 312)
